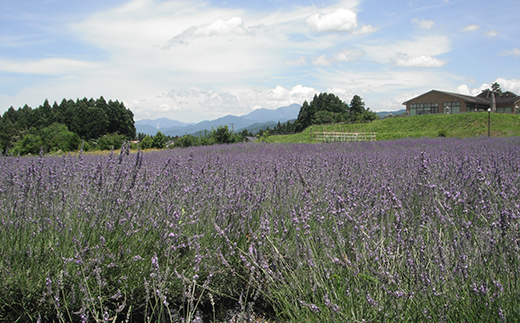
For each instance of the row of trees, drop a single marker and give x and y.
(221, 135)
(105, 125)
(70, 121)
(328, 108)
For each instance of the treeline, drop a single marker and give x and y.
(98, 124)
(65, 126)
(328, 108)
(221, 135)
(324, 108)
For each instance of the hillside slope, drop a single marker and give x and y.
(457, 125)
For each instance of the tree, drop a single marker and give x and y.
(305, 117)
(146, 142)
(222, 135)
(29, 144)
(330, 106)
(7, 134)
(121, 120)
(495, 87)
(358, 111)
(357, 106)
(159, 140)
(58, 137)
(45, 115)
(188, 141)
(111, 141)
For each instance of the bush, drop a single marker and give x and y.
(188, 141)
(146, 143)
(159, 140)
(111, 141)
(29, 144)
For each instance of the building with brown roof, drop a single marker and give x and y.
(446, 102)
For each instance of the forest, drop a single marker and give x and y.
(89, 124)
(65, 126)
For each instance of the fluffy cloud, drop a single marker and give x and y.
(510, 52)
(229, 28)
(404, 60)
(470, 28)
(48, 66)
(349, 55)
(189, 105)
(322, 60)
(512, 85)
(300, 61)
(365, 29)
(423, 23)
(492, 33)
(417, 52)
(340, 20)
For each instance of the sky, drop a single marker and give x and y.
(199, 60)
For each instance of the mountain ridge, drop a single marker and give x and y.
(176, 128)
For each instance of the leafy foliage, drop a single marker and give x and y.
(29, 144)
(58, 137)
(146, 142)
(328, 108)
(110, 141)
(159, 140)
(88, 118)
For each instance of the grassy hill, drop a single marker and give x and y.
(456, 125)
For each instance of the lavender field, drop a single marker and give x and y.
(409, 230)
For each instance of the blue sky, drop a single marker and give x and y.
(199, 60)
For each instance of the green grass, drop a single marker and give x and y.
(458, 125)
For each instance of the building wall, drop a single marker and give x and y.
(435, 102)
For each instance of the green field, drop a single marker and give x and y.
(458, 125)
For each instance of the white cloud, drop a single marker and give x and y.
(349, 55)
(510, 52)
(423, 23)
(322, 60)
(404, 60)
(230, 28)
(230, 61)
(407, 51)
(196, 104)
(388, 90)
(464, 89)
(470, 28)
(365, 29)
(47, 66)
(492, 33)
(343, 56)
(340, 20)
(512, 85)
(300, 61)
(297, 94)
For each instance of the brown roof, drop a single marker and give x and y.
(465, 98)
(500, 97)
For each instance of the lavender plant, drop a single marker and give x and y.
(413, 230)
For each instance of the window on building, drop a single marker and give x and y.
(504, 110)
(423, 108)
(452, 107)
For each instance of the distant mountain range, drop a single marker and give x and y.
(383, 114)
(257, 119)
(253, 121)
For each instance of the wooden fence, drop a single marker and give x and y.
(324, 136)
